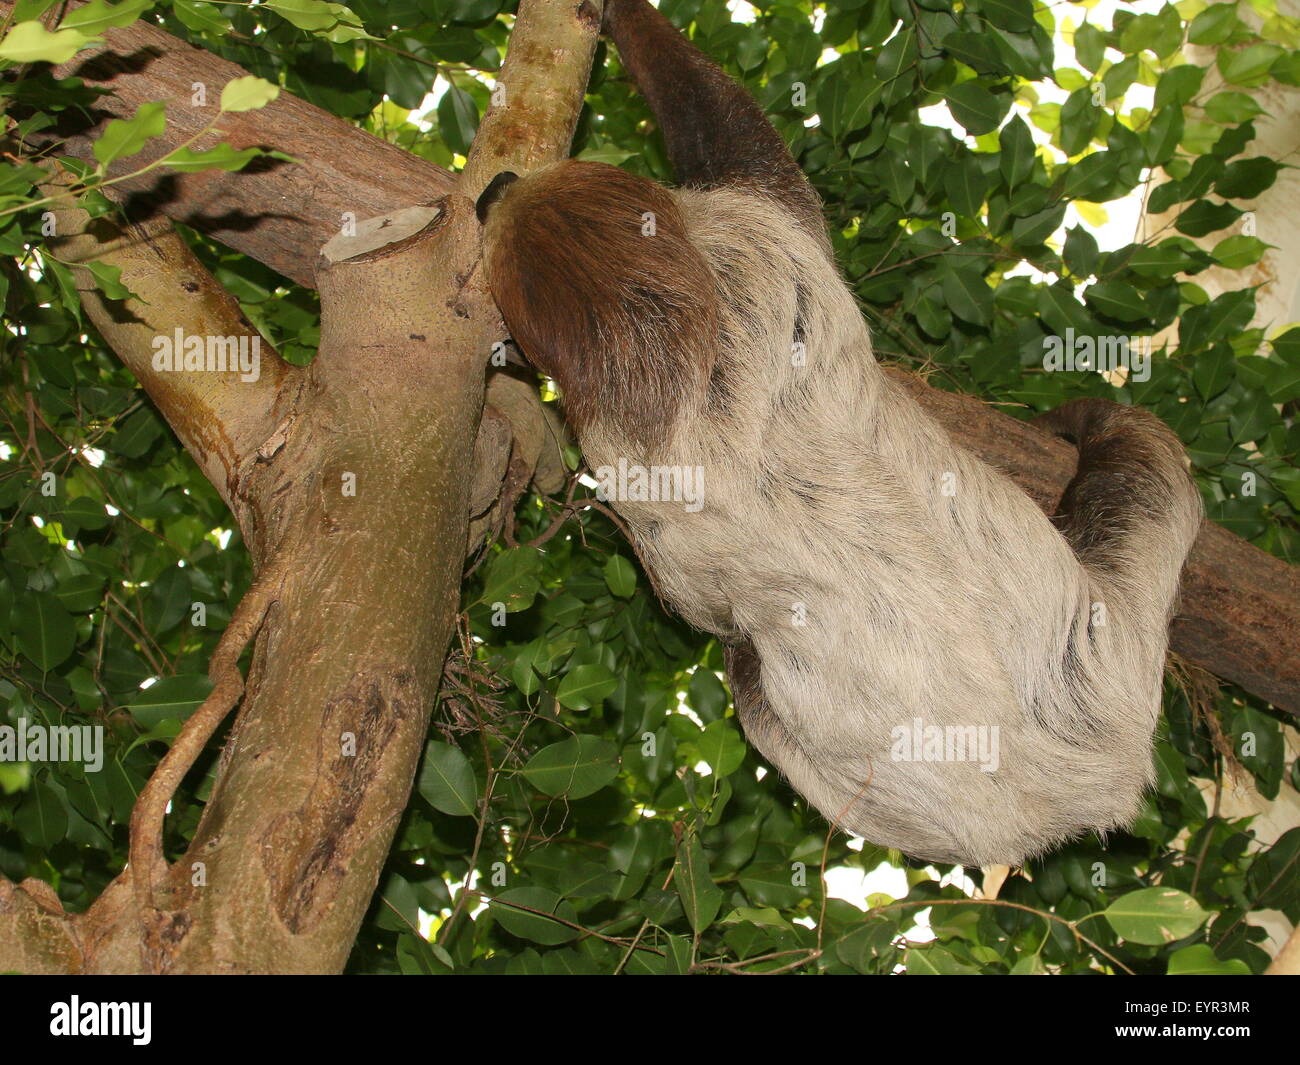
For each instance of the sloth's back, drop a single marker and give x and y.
(905, 600)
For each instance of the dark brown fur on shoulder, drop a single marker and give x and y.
(592, 268)
(716, 135)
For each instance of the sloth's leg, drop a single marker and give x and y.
(1132, 510)
(715, 132)
(768, 735)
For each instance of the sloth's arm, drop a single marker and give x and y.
(1132, 510)
(715, 132)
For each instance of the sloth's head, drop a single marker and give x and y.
(593, 271)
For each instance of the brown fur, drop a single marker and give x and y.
(715, 134)
(576, 277)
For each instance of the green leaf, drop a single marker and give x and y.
(168, 600)
(170, 699)
(334, 21)
(1116, 81)
(1274, 879)
(1017, 156)
(638, 850)
(967, 293)
(1155, 915)
(966, 186)
(978, 51)
(976, 108)
(1214, 25)
(1213, 371)
(531, 660)
(1037, 227)
(575, 767)
(1245, 179)
(42, 819)
(1162, 137)
(98, 15)
(894, 62)
(934, 960)
(1016, 16)
(457, 119)
(1171, 256)
(1200, 960)
(1161, 33)
(126, 136)
(1219, 319)
(30, 42)
(1236, 253)
(523, 911)
(46, 631)
(137, 434)
(220, 157)
(201, 17)
(513, 578)
(897, 179)
(248, 93)
(1177, 86)
(722, 747)
(1080, 252)
(706, 695)
(1090, 46)
(847, 96)
(15, 777)
(1204, 217)
(447, 781)
(23, 10)
(620, 577)
(1079, 116)
(1114, 299)
(1249, 66)
(585, 687)
(1090, 177)
(1232, 107)
(81, 592)
(701, 898)
(108, 279)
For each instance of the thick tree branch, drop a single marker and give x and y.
(221, 417)
(353, 609)
(532, 119)
(279, 213)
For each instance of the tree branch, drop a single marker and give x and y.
(220, 418)
(279, 213)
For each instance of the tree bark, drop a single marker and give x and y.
(279, 213)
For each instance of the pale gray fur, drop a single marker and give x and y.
(824, 486)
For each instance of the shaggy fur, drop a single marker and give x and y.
(862, 570)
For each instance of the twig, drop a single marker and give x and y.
(145, 849)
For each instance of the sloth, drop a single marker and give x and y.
(926, 657)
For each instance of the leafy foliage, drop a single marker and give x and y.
(606, 815)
